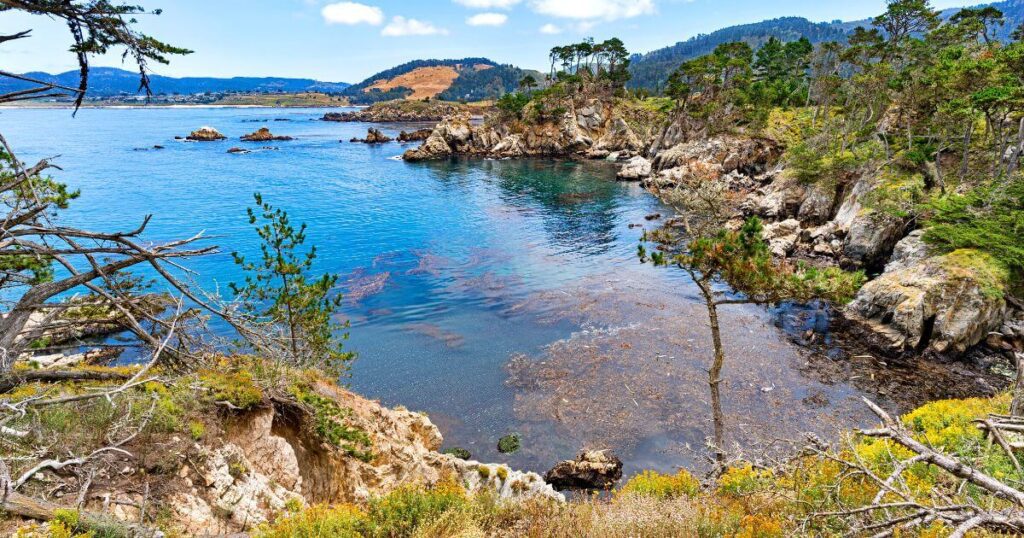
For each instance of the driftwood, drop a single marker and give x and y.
(906, 512)
(31, 508)
(57, 376)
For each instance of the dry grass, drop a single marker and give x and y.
(423, 81)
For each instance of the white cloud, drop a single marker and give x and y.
(550, 29)
(593, 9)
(352, 13)
(487, 19)
(401, 26)
(488, 4)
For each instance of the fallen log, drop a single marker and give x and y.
(10, 382)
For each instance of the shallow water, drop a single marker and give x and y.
(497, 296)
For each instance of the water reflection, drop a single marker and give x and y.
(578, 214)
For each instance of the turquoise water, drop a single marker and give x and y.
(456, 274)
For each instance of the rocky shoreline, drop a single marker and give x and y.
(916, 303)
(399, 112)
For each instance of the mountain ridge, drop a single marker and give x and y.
(112, 81)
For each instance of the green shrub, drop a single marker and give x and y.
(989, 218)
(509, 444)
(661, 486)
(343, 521)
(458, 452)
(331, 424)
(403, 510)
(235, 388)
(513, 104)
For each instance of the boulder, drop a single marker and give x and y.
(592, 469)
(433, 148)
(871, 238)
(238, 150)
(909, 251)
(205, 134)
(618, 137)
(373, 136)
(418, 135)
(263, 135)
(511, 146)
(945, 304)
(750, 155)
(782, 236)
(635, 169)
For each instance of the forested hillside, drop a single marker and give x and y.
(651, 70)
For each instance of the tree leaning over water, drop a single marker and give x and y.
(41, 257)
(711, 254)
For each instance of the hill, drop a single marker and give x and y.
(110, 82)
(652, 69)
(470, 79)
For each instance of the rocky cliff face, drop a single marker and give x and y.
(399, 112)
(268, 458)
(942, 304)
(591, 129)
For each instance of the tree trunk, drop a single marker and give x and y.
(1016, 155)
(1017, 405)
(715, 374)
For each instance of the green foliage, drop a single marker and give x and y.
(989, 219)
(510, 443)
(278, 289)
(342, 521)
(588, 61)
(408, 507)
(331, 424)
(458, 452)
(237, 388)
(743, 260)
(513, 104)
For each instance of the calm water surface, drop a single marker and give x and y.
(497, 296)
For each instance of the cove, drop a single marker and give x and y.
(496, 296)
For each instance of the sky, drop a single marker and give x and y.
(349, 41)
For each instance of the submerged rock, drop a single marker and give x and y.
(263, 135)
(944, 304)
(205, 134)
(592, 469)
(238, 150)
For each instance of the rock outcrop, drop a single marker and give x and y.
(205, 134)
(419, 135)
(635, 169)
(270, 457)
(373, 136)
(713, 159)
(399, 112)
(263, 134)
(944, 304)
(589, 129)
(592, 469)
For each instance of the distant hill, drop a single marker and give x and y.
(651, 70)
(471, 79)
(110, 82)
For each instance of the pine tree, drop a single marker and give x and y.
(279, 291)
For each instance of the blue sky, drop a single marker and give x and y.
(349, 41)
